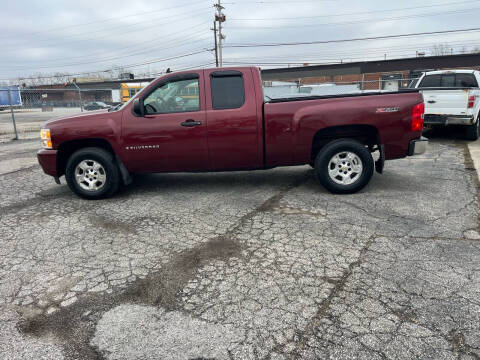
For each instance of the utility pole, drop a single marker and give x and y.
(215, 40)
(220, 17)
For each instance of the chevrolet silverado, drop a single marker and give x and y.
(218, 120)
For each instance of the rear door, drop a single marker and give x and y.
(233, 119)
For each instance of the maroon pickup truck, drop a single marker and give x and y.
(218, 120)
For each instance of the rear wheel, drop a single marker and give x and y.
(344, 166)
(92, 173)
(472, 131)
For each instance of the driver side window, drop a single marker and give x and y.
(173, 97)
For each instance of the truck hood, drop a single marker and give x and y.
(80, 116)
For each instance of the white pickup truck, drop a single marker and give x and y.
(452, 98)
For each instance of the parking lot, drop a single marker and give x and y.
(244, 265)
(28, 121)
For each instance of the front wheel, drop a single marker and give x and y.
(344, 166)
(92, 173)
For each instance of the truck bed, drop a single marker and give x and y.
(291, 124)
(318, 97)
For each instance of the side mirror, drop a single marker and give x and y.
(138, 108)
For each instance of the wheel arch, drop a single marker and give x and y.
(67, 148)
(365, 134)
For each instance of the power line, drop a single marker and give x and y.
(121, 67)
(329, 55)
(249, 27)
(277, 2)
(353, 39)
(379, 57)
(108, 19)
(108, 59)
(96, 38)
(353, 13)
(185, 36)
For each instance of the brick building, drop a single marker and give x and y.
(372, 75)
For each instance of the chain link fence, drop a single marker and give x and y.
(22, 111)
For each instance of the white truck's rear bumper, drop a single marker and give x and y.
(444, 120)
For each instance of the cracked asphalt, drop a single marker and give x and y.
(243, 265)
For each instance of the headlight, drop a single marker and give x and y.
(46, 138)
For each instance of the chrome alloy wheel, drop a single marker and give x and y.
(90, 175)
(345, 168)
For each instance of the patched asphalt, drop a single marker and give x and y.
(243, 265)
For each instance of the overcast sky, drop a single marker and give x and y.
(81, 36)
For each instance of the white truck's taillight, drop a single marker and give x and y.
(471, 101)
(417, 117)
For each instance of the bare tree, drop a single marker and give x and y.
(442, 49)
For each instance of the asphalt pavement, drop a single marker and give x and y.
(243, 265)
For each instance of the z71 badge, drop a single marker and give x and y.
(387, 109)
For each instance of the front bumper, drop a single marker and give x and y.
(444, 120)
(418, 146)
(48, 161)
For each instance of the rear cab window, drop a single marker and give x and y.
(448, 80)
(459, 80)
(466, 80)
(228, 90)
(430, 81)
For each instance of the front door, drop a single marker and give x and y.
(172, 134)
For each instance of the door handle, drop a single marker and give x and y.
(431, 101)
(191, 123)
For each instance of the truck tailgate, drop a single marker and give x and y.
(446, 102)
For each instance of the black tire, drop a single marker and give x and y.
(110, 171)
(472, 131)
(322, 164)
